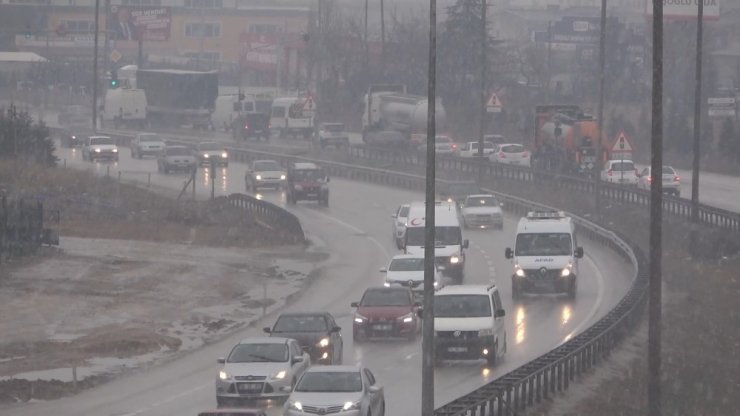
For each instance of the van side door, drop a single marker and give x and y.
(499, 326)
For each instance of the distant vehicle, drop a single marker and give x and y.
(332, 134)
(100, 147)
(228, 108)
(494, 138)
(443, 145)
(146, 144)
(260, 368)
(456, 191)
(470, 149)
(671, 180)
(264, 174)
(70, 138)
(545, 255)
(306, 181)
(177, 97)
(343, 389)
(469, 323)
(290, 117)
(408, 271)
(211, 152)
(317, 333)
(176, 158)
(251, 126)
(74, 115)
(400, 220)
(621, 172)
(124, 107)
(385, 312)
(511, 154)
(482, 211)
(233, 412)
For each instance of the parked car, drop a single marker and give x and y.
(345, 390)
(386, 312)
(470, 149)
(306, 181)
(620, 171)
(211, 152)
(251, 126)
(332, 134)
(318, 334)
(400, 219)
(511, 154)
(176, 158)
(259, 368)
(671, 180)
(482, 210)
(145, 144)
(264, 174)
(100, 147)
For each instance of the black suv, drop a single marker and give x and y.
(251, 125)
(307, 182)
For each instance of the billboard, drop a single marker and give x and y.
(259, 51)
(685, 9)
(129, 23)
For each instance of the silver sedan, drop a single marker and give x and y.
(346, 390)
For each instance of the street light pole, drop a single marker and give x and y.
(697, 116)
(484, 92)
(95, 67)
(600, 131)
(427, 343)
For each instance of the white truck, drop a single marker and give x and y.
(389, 107)
(124, 107)
(293, 116)
(228, 108)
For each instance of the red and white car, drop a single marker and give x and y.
(671, 180)
(511, 154)
(385, 312)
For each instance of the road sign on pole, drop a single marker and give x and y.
(621, 148)
(309, 107)
(115, 55)
(494, 105)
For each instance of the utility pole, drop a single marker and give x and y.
(549, 62)
(697, 116)
(382, 37)
(656, 218)
(95, 67)
(427, 343)
(483, 87)
(106, 44)
(596, 174)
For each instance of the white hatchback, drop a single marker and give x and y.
(671, 180)
(511, 154)
(621, 172)
(408, 270)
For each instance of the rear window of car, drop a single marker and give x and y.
(623, 166)
(667, 170)
(513, 148)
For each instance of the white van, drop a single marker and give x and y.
(449, 248)
(228, 108)
(545, 255)
(124, 107)
(289, 118)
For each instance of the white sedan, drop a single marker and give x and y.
(511, 154)
(400, 218)
(671, 180)
(482, 211)
(621, 172)
(408, 270)
(470, 149)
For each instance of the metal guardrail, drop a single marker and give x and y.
(270, 214)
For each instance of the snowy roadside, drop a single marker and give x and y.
(102, 307)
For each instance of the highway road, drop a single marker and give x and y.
(356, 230)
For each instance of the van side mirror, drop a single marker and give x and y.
(267, 330)
(221, 360)
(383, 270)
(417, 304)
(420, 312)
(355, 304)
(297, 359)
(336, 329)
(500, 313)
(508, 253)
(579, 252)
(466, 244)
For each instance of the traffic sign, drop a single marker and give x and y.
(494, 105)
(622, 144)
(721, 106)
(309, 107)
(115, 55)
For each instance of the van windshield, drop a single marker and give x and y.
(462, 306)
(443, 236)
(544, 244)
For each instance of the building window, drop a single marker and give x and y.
(29, 1)
(204, 56)
(79, 26)
(204, 29)
(264, 29)
(141, 2)
(204, 4)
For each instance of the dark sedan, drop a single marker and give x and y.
(317, 333)
(386, 312)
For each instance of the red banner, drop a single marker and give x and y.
(259, 51)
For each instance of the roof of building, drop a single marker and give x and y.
(21, 57)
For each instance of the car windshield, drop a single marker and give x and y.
(513, 148)
(334, 127)
(330, 381)
(259, 353)
(461, 306)
(102, 141)
(209, 146)
(266, 166)
(150, 138)
(483, 201)
(443, 236)
(403, 212)
(301, 323)
(623, 166)
(386, 297)
(543, 244)
(177, 151)
(406, 265)
(307, 174)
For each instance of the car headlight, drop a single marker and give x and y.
(224, 155)
(360, 319)
(409, 317)
(454, 259)
(206, 155)
(485, 332)
(566, 271)
(97, 150)
(258, 177)
(282, 177)
(436, 284)
(295, 405)
(387, 284)
(324, 342)
(351, 406)
(280, 375)
(519, 271)
(115, 150)
(223, 375)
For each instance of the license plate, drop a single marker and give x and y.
(382, 327)
(457, 349)
(250, 387)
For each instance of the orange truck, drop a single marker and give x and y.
(565, 140)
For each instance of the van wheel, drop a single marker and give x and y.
(515, 290)
(572, 290)
(491, 359)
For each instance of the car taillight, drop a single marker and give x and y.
(650, 179)
(269, 125)
(636, 172)
(676, 178)
(502, 155)
(246, 127)
(525, 154)
(454, 146)
(609, 172)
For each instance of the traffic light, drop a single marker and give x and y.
(28, 33)
(114, 79)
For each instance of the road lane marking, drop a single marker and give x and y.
(165, 401)
(597, 304)
(355, 229)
